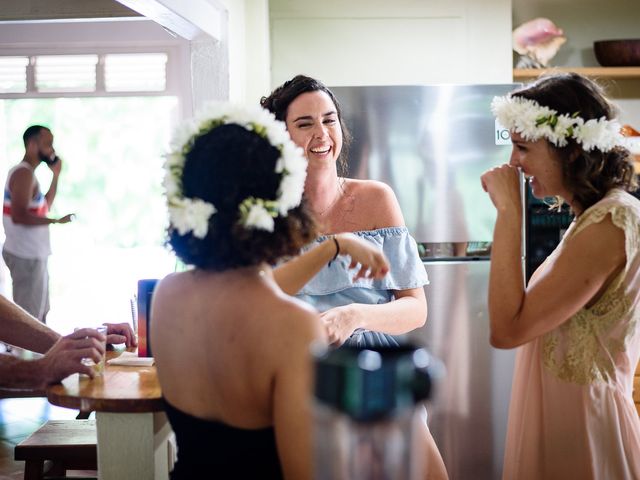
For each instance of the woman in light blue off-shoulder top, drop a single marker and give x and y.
(333, 286)
(355, 309)
(390, 306)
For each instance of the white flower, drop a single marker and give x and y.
(293, 159)
(598, 133)
(192, 214)
(277, 133)
(290, 193)
(534, 121)
(171, 185)
(182, 135)
(259, 218)
(564, 126)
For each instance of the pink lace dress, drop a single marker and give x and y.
(572, 414)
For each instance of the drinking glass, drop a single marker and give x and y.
(98, 368)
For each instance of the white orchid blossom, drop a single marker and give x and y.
(534, 121)
(193, 214)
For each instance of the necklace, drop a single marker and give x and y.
(337, 197)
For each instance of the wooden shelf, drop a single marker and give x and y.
(617, 73)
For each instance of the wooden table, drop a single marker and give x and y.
(133, 431)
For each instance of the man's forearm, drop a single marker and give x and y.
(18, 373)
(30, 219)
(53, 188)
(19, 328)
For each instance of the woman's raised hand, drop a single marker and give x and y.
(503, 186)
(367, 258)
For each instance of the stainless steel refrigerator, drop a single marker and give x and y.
(431, 144)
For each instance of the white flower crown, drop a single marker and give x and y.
(534, 121)
(192, 214)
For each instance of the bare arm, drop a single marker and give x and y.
(53, 188)
(405, 313)
(19, 328)
(62, 359)
(294, 274)
(62, 354)
(292, 399)
(584, 266)
(21, 188)
(581, 271)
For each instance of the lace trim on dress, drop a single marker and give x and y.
(582, 350)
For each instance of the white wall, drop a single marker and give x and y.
(258, 67)
(378, 42)
(248, 45)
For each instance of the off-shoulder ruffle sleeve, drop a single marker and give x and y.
(406, 268)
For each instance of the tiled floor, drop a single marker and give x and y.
(19, 417)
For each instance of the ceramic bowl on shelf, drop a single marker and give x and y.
(618, 53)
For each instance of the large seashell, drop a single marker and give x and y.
(538, 41)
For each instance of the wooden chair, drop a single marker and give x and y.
(66, 444)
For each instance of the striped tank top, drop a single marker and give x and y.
(26, 241)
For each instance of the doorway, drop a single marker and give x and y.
(111, 148)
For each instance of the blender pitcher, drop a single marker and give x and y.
(367, 413)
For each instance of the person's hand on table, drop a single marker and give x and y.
(65, 357)
(121, 333)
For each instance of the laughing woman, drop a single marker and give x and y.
(363, 313)
(572, 414)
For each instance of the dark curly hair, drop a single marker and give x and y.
(225, 166)
(279, 100)
(589, 175)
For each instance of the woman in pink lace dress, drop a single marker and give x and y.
(572, 414)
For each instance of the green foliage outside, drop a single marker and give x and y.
(112, 153)
(112, 180)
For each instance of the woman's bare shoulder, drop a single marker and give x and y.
(600, 239)
(376, 201)
(172, 284)
(298, 315)
(367, 187)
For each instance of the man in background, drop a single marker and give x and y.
(26, 224)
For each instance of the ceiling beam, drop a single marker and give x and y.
(38, 10)
(187, 19)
